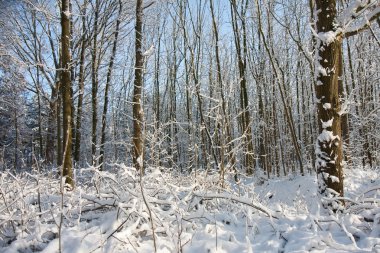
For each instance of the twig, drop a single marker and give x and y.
(239, 200)
(149, 211)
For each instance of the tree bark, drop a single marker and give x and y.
(94, 89)
(329, 146)
(49, 152)
(138, 114)
(59, 120)
(67, 170)
(78, 125)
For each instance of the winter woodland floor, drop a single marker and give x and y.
(110, 212)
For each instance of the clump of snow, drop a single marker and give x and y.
(322, 71)
(140, 161)
(67, 14)
(327, 37)
(327, 123)
(326, 106)
(327, 136)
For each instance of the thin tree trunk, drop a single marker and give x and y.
(242, 51)
(108, 83)
(40, 138)
(72, 76)
(344, 123)
(37, 83)
(94, 89)
(59, 124)
(280, 76)
(15, 164)
(67, 170)
(226, 124)
(49, 152)
(78, 134)
(138, 113)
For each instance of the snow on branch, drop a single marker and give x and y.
(241, 200)
(358, 16)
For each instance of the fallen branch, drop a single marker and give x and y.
(241, 200)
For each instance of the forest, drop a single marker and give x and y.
(189, 126)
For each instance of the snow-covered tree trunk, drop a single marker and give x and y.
(328, 61)
(138, 114)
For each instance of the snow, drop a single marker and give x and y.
(352, 20)
(327, 123)
(149, 52)
(327, 136)
(326, 106)
(327, 37)
(140, 161)
(67, 14)
(321, 70)
(106, 213)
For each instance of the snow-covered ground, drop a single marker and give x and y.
(113, 212)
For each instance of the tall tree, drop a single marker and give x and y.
(108, 83)
(94, 89)
(138, 113)
(226, 129)
(240, 33)
(329, 145)
(84, 42)
(67, 166)
(331, 28)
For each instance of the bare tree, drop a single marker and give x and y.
(108, 83)
(240, 39)
(95, 84)
(84, 43)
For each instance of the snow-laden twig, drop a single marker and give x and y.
(241, 200)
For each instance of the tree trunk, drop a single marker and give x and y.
(49, 152)
(329, 143)
(15, 163)
(241, 51)
(94, 89)
(67, 170)
(59, 125)
(226, 130)
(108, 81)
(78, 125)
(138, 113)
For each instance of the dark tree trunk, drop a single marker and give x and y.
(94, 89)
(49, 152)
(59, 123)
(329, 143)
(138, 114)
(67, 170)
(78, 133)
